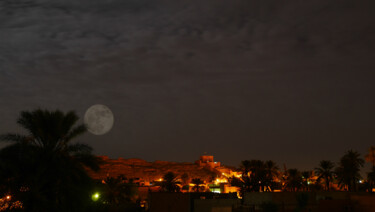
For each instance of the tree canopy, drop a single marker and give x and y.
(44, 167)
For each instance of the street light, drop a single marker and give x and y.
(95, 196)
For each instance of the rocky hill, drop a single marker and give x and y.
(150, 171)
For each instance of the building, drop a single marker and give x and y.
(207, 161)
(193, 202)
(321, 201)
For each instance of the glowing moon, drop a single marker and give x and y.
(98, 119)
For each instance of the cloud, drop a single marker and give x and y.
(225, 65)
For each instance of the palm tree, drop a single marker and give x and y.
(245, 167)
(348, 170)
(118, 191)
(245, 182)
(306, 175)
(271, 172)
(197, 184)
(185, 179)
(169, 183)
(257, 175)
(253, 174)
(294, 180)
(324, 171)
(45, 165)
(370, 157)
(238, 182)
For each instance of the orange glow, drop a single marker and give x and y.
(8, 197)
(221, 180)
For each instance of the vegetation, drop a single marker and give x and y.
(118, 190)
(348, 170)
(306, 175)
(271, 173)
(169, 183)
(44, 168)
(257, 175)
(185, 179)
(197, 185)
(325, 172)
(115, 194)
(293, 180)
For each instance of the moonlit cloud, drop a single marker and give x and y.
(262, 76)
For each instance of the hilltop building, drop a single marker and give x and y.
(207, 161)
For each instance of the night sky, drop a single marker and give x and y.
(290, 81)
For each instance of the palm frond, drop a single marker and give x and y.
(78, 148)
(77, 131)
(89, 161)
(12, 137)
(68, 121)
(26, 120)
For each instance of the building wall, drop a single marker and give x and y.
(207, 158)
(207, 161)
(285, 200)
(317, 202)
(364, 202)
(192, 202)
(215, 205)
(169, 202)
(334, 205)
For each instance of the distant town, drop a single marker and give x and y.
(206, 176)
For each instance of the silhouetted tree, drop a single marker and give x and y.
(293, 180)
(257, 176)
(116, 194)
(185, 179)
(348, 170)
(325, 172)
(271, 172)
(118, 191)
(252, 175)
(169, 183)
(244, 183)
(306, 175)
(197, 184)
(43, 168)
(238, 182)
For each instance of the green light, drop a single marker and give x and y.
(95, 196)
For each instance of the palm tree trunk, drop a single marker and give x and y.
(327, 184)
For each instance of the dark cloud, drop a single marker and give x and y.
(239, 79)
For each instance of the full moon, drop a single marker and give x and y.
(98, 119)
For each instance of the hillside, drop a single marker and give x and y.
(150, 171)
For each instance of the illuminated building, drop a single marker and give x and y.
(207, 161)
